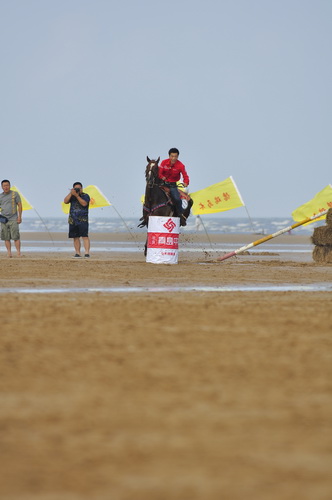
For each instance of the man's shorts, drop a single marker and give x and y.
(80, 230)
(10, 231)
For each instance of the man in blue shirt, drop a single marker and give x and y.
(79, 218)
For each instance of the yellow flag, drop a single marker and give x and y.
(25, 204)
(217, 198)
(97, 199)
(320, 202)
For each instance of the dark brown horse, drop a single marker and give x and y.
(157, 200)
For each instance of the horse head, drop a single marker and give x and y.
(151, 171)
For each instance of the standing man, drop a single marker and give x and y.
(79, 219)
(170, 171)
(11, 208)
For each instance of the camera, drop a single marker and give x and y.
(77, 190)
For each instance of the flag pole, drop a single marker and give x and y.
(15, 188)
(118, 213)
(44, 223)
(126, 225)
(250, 220)
(245, 206)
(207, 234)
(270, 236)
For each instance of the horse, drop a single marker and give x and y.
(157, 200)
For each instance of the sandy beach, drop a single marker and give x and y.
(162, 394)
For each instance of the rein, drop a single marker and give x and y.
(153, 181)
(150, 211)
(160, 205)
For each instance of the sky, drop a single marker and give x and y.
(89, 88)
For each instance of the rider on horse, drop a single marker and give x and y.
(170, 171)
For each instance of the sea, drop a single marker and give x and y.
(213, 225)
(257, 227)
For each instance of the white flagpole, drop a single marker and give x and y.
(270, 236)
(245, 206)
(47, 229)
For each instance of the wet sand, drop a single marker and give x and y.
(185, 238)
(165, 395)
(140, 235)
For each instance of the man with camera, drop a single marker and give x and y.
(79, 219)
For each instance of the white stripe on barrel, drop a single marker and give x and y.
(163, 240)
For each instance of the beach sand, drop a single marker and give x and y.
(164, 395)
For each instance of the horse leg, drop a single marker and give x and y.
(166, 211)
(146, 241)
(186, 211)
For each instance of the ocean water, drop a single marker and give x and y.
(211, 225)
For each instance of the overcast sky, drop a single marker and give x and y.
(89, 88)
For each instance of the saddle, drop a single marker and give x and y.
(183, 194)
(185, 199)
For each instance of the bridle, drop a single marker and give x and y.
(152, 180)
(151, 175)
